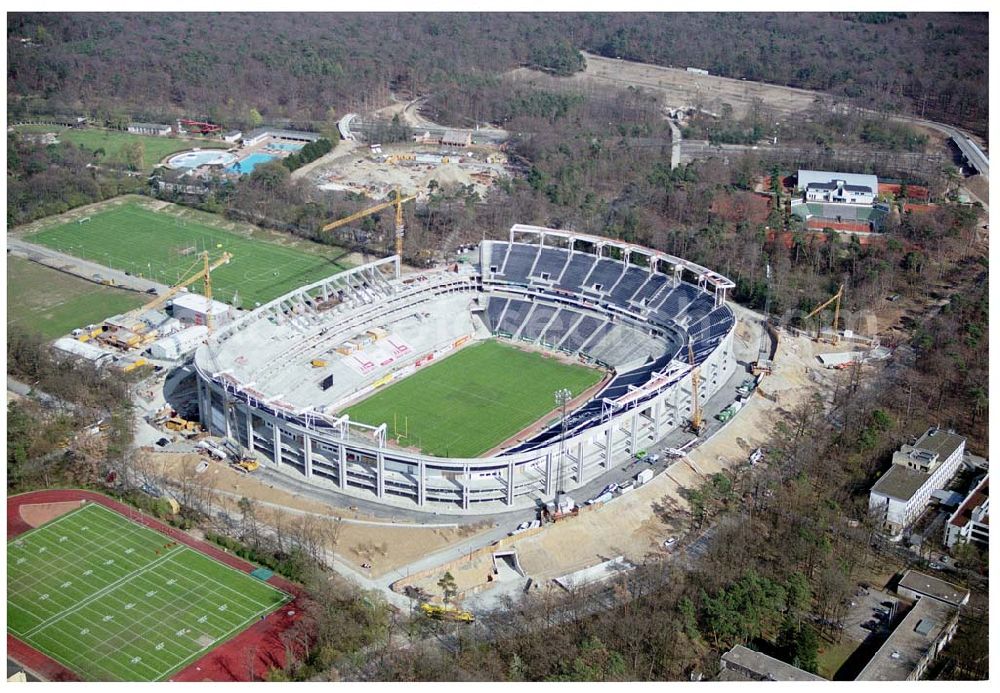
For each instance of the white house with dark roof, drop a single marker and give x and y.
(844, 188)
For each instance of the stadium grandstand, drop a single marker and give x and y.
(278, 380)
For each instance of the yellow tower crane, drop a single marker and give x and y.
(397, 203)
(204, 273)
(836, 312)
(697, 422)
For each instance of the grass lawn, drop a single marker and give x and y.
(111, 141)
(163, 246)
(115, 601)
(474, 399)
(44, 300)
(833, 655)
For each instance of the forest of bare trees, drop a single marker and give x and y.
(296, 67)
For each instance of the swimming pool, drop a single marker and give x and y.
(201, 157)
(248, 164)
(286, 146)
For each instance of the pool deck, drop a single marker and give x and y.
(241, 154)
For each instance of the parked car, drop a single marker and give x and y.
(610, 488)
(936, 566)
(669, 541)
(163, 442)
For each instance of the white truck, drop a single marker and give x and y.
(643, 477)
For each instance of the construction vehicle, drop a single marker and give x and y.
(183, 426)
(318, 363)
(446, 613)
(697, 424)
(729, 412)
(762, 367)
(205, 273)
(246, 465)
(835, 299)
(138, 363)
(397, 203)
(746, 387)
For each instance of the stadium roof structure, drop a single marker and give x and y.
(824, 180)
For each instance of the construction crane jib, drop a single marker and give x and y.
(205, 272)
(836, 311)
(397, 203)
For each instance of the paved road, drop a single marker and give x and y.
(82, 268)
(975, 156)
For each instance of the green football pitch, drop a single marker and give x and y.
(115, 601)
(164, 248)
(473, 400)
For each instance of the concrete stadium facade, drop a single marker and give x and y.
(640, 404)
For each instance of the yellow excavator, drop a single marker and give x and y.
(397, 203)
(446, 613)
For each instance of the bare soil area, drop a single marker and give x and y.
(38, 514)
(385, 546)
(683, 89)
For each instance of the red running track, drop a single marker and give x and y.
(258, 647)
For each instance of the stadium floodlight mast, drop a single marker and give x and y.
(563, 396)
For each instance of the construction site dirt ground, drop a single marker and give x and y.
(354, 169)
(385, 546)
(635, 525)
(680, 88)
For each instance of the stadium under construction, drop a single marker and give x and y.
(278, 380)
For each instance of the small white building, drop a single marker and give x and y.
(156, 129)
(902, 494)
(179, 343)
(232, 136)
(845, 188)
(971, 521)
(193, 308)
(82, 350)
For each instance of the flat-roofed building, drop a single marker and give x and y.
(743, 664)
(914, 643)
(915, 585)
(971, 521)
(156, 129)
(917, 470)
(194, 308)
(260, 134)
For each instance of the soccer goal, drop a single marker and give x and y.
(84, 220)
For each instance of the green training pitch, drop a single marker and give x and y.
(41, 299)
(473, 400)
(164, 247)
(116, 601)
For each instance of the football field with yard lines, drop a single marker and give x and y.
(116, 601)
